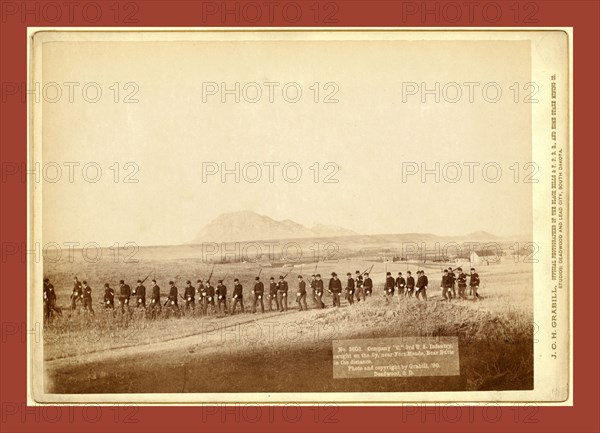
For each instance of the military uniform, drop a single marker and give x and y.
(109, 297)
(474, 283)
(124, 295)
(258, 292)
(173, 302)
(446, 286)
(155, 298)
(401, 285)
(313, 289)
(140, 293)
(221, 294)
(301, 298)
(389, 287)
(77, 294)
(319, 289)
(87, 298)
(273, 295)
(422, 283)
(350, 289)
(201, 292)
(50, 300)
(368, 285)
(452, 282)
(282, 295)
(462, 285)
(335, 288)
(189, 294)
(238, 297)
(410, 285)
(360, 292)
(210, 297)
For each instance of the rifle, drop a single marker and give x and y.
(211, 274)
(369, 270)
(147, 276)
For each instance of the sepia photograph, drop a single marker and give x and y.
(368, 216)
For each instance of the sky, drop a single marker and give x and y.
(178, 133)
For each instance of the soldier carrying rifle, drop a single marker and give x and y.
(77, 295)
(301, 295)
(258, 293)
(273, 294)
(109, 297)
(350, 288)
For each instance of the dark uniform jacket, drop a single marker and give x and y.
(446, 281)
(474, 281)
(210, 291)
(350, 285)
(282, 286)
(109, 295)
(452, 278)
(238, 291)
(221, 291)
(368, 284)
(302, 287)
(125, 291)
(313, 285)
(140, 292)
(156, 293)
(319, 286)
(400, 282)
(335, 286)
(389, 283)
(462, 279)
(259, 288)
(77, 290)
(173, 293)
(422, 281)
(273, 288)
(410, 282)
(50, 294)
(359, 282)
(87, 292)
(201, 290)
(189, 292)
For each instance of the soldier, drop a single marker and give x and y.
(172, 300)
(238, 296)
(258, 292)
(452, 277)
(201, 291)
(424, 284)
(350, 289)
(474, 283)
(400, 284)
(140, 293)
(109, 297)
(446, 286)
(410, 284)
(368, 285)
(319, 289)
(282, 294)
(87, 297)
(189, 295)
(77, 294)
(155, 299)
(210, 297)
(273, 294)
(335, 288)
(124, 295)
(50, 299)
(389, 286)
(313, 288)
(360, 293)
(462, 284)
(221, 293)
(301, 296)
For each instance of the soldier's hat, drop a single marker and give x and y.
(139, 281)
(349, 274)
(367, 274)
(153, 280)
(106, 285)
(459, 269)
(257, 278)
(220, 281)
(357, 272)
(272, 278)
(84, 282)
(319, 275)
(171, 282)
(236, 281)
(408, 272)
(333, 274)
(399, 273)
(388, 273)
(281, 277)
(46, 280)
(472, 269)
(313, 276)
(188, 282)
(445, 271)
(75, 277)
(121, 282)
(199, 281)
(300, 277)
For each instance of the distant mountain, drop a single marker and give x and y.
(248, 226)
(481, 235)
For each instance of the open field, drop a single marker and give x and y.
(280, 352)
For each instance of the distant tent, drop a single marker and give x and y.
(474, 258)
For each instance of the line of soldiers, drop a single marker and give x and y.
(358, 288)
